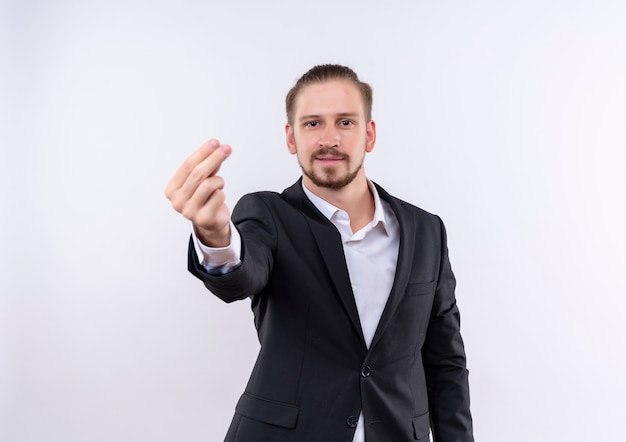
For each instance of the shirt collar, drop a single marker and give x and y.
(328, 210)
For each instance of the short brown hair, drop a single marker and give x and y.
(326, 72)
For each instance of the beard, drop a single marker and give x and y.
(330, 178)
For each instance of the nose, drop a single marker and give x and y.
(329, 137)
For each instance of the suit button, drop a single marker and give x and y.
(352, 421)
(366, 371)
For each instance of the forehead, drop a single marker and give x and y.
(332, 96)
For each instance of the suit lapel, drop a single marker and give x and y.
(404, 265)
(329, 243)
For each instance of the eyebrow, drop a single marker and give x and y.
(339, 115)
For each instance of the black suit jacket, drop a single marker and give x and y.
(314, 373)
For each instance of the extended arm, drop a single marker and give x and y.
(255, 225)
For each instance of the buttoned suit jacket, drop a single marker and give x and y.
(314, 372)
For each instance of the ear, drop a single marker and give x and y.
(291, 140)
(370, 133)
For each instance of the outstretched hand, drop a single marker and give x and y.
(196, 191)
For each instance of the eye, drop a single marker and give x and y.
(311, 124)
(346, 123)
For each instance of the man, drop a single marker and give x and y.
(351, 288)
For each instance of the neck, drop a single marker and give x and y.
(355, 199)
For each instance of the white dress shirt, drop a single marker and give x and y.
(371, 257)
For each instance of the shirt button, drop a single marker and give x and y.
(366, 371)
(352, 421)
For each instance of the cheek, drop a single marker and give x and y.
(306, 144)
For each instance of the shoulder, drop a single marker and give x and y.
(265, 198)
(405, 209)
(255, 203)
(270, 204)
(271, 197)
(263, 195)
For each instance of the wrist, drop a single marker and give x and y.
(213, 237)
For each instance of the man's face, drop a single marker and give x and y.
(330, 134)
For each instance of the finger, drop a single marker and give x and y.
(211, 164)
(198, 201)
(182, 173)
(207, 168)
(205, 190)
(214, 214)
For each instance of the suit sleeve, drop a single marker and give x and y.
(444, 361)
(256, 227)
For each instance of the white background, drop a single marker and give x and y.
(505, 118)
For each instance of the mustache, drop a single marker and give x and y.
(329, 151)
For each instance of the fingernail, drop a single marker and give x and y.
(226, 149)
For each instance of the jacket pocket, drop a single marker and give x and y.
(268, 411)
(421, 427)
(420, 288)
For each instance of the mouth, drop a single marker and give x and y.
(329, 159)
(329, 156)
